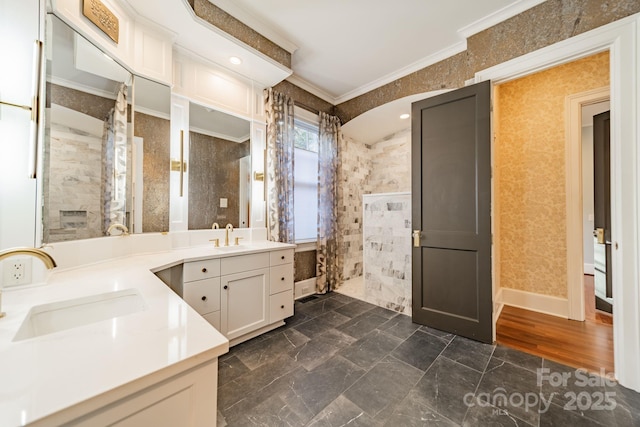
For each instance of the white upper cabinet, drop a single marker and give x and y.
(19, 30)
(209, 84)
(143, 47)
(153, 53)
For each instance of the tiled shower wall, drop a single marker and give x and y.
(387, 250)
(353, 175)
(74, 184)
(384, 167)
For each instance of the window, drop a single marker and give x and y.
(305, 182)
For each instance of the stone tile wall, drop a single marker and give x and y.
(387, 250)
(384, 167)
(353, 174)
(391, 164)
(74, 208)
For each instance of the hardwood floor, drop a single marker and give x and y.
(587, 344)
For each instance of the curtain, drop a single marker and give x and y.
(279, 179)
(328, 266)
(114, 169)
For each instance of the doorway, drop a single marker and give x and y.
(538, 186)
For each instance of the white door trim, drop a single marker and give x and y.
(622, 40)
(573, 171)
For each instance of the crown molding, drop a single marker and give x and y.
(311, 88)
(213, 134)
(404, 71)
(255, 24)
(498, 16)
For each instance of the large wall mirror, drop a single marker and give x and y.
(219, 169)
(151, 142)
(104, 161)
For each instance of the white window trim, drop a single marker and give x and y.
(306, 116)
(310, 118)
(305, 245)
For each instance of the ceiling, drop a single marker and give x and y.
(342, 49)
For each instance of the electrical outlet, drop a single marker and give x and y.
(17, 271)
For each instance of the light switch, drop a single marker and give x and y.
(223, 203)
(590, 217)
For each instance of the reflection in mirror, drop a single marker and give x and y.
(85, 184)
(219, 169)
(151, 153)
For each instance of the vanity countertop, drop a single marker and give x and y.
(40, 376)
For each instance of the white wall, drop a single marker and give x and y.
(587, 198)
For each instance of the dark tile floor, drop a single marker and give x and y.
(340, 361)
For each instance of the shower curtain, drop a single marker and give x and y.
(329, 260)
(280, 138)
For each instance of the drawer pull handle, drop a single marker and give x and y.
(282, 257)
(282, 279)
(226, 287)
(204, 298)
(204, 270)
(282, 306)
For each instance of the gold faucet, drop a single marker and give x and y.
(215, 226)
(43, 256)
(125, 230)
(228, 227)
(46, 259)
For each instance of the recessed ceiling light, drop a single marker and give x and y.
(235, 60)
(405, 116)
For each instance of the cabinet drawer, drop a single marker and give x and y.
(237, 264)
(198, 270)
(203, 295)
(280, 278)
(280, 306)
(213, 318)
(284, 256)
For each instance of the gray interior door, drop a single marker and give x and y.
(451, 212)
(602, 212)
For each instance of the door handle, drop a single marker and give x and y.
(416, 238)
(598, 233)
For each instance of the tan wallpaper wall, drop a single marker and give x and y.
(155, 167)
(214, 174)
(530, 155)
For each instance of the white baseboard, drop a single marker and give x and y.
(535, 302)
(497, 310)
(304, 288)
(589, 269)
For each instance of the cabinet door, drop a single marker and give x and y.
(19, 30)
(244, 302)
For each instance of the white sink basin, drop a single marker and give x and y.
(58, 316)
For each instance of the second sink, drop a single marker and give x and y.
(58, 316)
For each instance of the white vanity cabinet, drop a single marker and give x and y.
(201, 288)
(242, 295)
(281, 285)
(181, 400)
